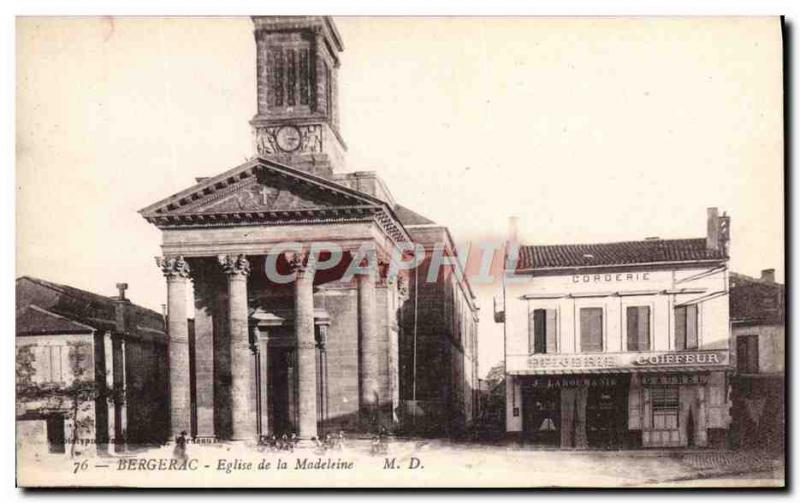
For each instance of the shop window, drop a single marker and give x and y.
(591, 329)
(638, 328)
(665, 407)
(542, 334)
(686, 327)
(747, 354)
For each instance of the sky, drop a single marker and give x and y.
(586, 129)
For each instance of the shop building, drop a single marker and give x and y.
(619, 345)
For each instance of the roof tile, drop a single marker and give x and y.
(622, 253)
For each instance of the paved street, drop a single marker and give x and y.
(419, 463)
(631, 468)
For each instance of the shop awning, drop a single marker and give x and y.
(624, 370)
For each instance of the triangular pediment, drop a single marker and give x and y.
(263, 191)
(259, 186)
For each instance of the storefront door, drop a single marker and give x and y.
(606, 417)
(541, 415)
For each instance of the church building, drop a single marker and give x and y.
(286, 340)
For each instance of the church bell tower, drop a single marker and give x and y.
(297, 122)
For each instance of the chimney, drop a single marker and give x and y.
(512, 244)
(119, 307)
(768, 275)
(121, 287)
(712, 236)
(512, 229)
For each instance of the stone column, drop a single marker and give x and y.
(204, 353)
(306, 346)
(108, 350)
(243, 390)
(176, 270)
(120, 405)
(368, 328)
(394, 285)
(263, 385)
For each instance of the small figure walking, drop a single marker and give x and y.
(383, 441)
(375, 448)
(179, 452)
(318, 447)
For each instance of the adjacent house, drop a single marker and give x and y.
(91, 370)
(758, 343)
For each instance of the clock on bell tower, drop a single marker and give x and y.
(297, 122)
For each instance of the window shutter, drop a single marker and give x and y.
(55, 363)
(741, 354)
(644, 328)
(536, 339)
(638, 328)
(550, 331)
(633, 327)
(691, 326)
(591, 329)
(680, 328)
(42, 363)
(752, 353)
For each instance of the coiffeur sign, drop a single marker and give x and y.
(630, 362)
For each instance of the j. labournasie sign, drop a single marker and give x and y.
(607, 361)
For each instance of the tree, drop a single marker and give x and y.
(496, 374)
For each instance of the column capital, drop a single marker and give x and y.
(173, 267)
(402, 287)
(234, 264)
(298, 262)
(383, 267)
(383, 272)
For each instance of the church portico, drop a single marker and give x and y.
(260, 346)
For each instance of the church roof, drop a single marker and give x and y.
(264, 192)
(409, 217)
(620, 253)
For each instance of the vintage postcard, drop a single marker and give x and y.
(313, 251)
